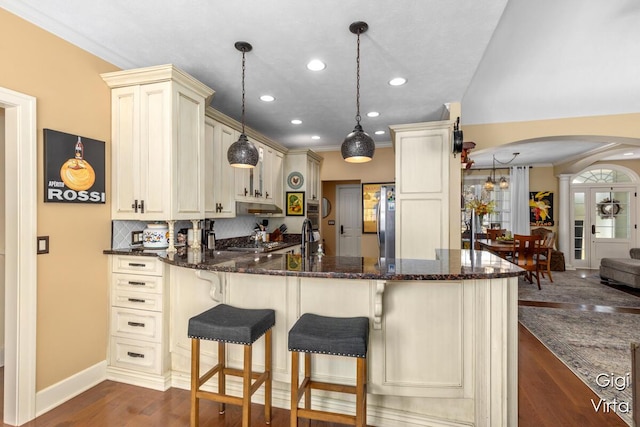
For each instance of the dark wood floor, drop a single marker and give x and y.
(549, 395)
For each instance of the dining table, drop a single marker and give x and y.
(501, 248)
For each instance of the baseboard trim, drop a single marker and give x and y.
(70, 387)
(140, 379)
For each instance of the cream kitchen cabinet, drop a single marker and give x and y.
(307, 164)
(139, 323)
(427, 189)
(157, 118)
(219, 175)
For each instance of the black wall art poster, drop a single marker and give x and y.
(541, 208)
(74, 168)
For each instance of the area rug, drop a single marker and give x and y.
(576, 287)
(594, 345)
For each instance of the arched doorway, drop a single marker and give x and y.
(603, 214)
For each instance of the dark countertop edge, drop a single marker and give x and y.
(320, 274)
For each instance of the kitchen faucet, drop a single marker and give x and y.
(307, 236)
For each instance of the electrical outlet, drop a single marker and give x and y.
(136, 238)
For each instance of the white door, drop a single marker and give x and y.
(613, 223)
(603, 225)
(349, 220)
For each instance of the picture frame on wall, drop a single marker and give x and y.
(295, 203)
(370, 200)
(74, 168)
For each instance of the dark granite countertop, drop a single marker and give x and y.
(449, 265)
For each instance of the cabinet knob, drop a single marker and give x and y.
(246, 191)
(266, 195)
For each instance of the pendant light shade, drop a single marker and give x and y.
(242, 153)
(358, 147)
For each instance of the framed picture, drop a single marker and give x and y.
(541, 208)
(74, 168)
(370, 200)
(295, 203)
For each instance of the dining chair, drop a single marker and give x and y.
(544, 258)
(525, 254)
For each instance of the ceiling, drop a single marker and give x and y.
(504, 61)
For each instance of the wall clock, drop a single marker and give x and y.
(295, 180)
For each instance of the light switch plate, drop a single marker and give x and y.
(43, 244)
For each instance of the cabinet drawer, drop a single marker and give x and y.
(136, 324)
(136, 300)
(138, 355)
(137, 265)
(136, 283)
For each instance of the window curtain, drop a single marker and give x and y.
(519, 188)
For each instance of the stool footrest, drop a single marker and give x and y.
(210, 373)
(331, 417)
(220, 398)
(319, 385)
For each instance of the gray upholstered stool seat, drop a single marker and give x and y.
(339, 336)
(330, 335)
(231, 324)
(227, 324)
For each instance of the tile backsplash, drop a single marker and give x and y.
(225, 228)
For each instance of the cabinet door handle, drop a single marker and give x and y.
(137, 283)
(266, 195)
(141, 206)
(136, 324)
(132, 354)
(593, 229)
(136, 300)
(135, 205)
(137, 264)
(342, 229)
(246, 191)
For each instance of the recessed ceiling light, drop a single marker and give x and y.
(379, 132)
(315, 137)
(296, 121)
(267, 98)
(397, 81)
(373, 114)
(316, 65)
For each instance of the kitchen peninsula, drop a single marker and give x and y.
(443, 342)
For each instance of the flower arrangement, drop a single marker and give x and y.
(481, 207)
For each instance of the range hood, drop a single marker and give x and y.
(251, 208)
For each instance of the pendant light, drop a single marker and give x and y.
(242, 153)
(358, 147)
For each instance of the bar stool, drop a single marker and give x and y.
(227, 324)
(337, 336)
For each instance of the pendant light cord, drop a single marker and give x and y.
(243, 68)
(358, 81)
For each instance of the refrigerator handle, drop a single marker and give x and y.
(378, 222)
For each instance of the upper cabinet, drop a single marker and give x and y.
(158, 146)
(302, 173)
(427, 189)
(219, 175)
(225, 185)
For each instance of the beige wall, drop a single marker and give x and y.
(72, 279)
(2, 235)
(336, 171)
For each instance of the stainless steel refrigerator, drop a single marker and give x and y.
(386, 215)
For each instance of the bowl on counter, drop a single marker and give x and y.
(156, 236)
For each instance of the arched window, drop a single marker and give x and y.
(602, 176)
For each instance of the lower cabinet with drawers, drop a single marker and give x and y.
(139, 328)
